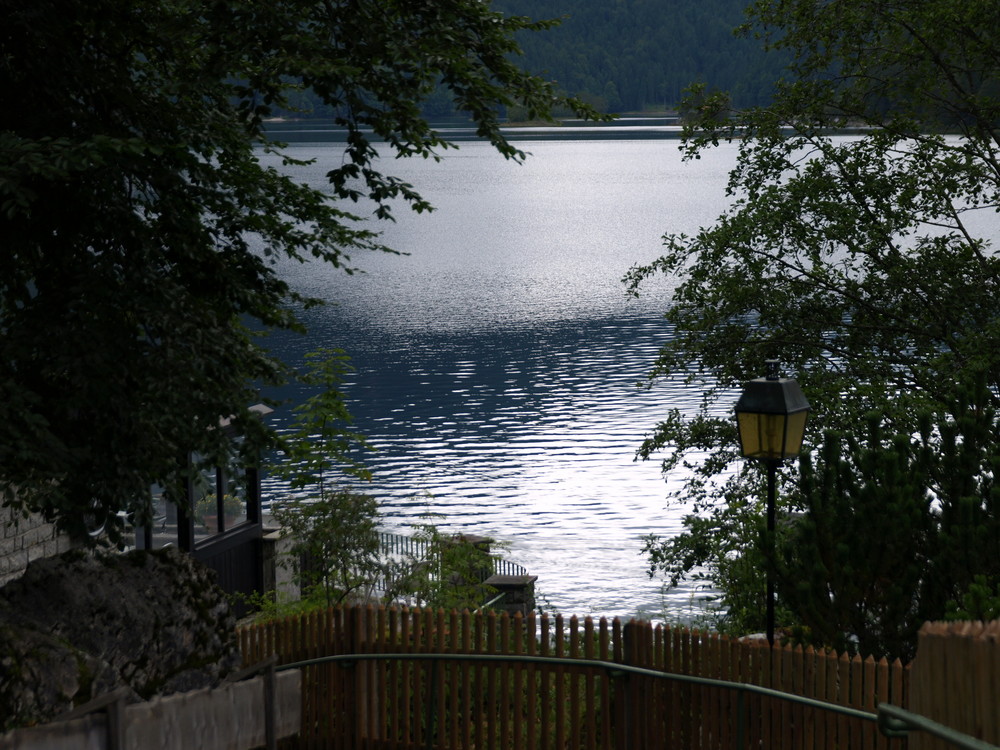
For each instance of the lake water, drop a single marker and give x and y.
(497, 365)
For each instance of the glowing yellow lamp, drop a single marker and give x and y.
(771, 417)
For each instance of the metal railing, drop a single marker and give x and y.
(895, 721)
(891, 720)
(419, 549)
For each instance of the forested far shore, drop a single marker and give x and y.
(629, 55)
(636, 55)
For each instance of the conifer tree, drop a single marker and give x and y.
(896, 530)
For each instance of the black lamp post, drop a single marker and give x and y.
(771, 418)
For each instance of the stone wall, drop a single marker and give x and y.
(82, 624)
(25, 539)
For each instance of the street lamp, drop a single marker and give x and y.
(771, 418)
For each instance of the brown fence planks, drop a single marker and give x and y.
(524, 706)
(956, 680)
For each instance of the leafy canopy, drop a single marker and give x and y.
(139, 231)
(857, 249)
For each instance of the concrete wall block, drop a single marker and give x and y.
(222, 718)
(231, 716)
(12, 565)
(279, 575)
(38, 534)
(50, 547)
(36, 552)
(9, 546)
(87, 733)
(13, 530)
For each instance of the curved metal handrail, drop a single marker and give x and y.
(891, 720)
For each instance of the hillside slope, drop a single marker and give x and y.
(630, 55)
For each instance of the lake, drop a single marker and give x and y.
(498, 363)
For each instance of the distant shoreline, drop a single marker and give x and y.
(633, 126)
(644, 127)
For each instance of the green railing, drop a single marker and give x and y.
(892, 721)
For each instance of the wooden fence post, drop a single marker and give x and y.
(628, 695)
(356, 701)
(952, 680)
(620, 684)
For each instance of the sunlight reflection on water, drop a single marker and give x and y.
(496, 366)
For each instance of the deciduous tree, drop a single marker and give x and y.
(857, 249)
(139, 232)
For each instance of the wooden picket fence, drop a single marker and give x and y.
(956, 680)
(473, 699)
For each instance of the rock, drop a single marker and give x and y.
(79, 625)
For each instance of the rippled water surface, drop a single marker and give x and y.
(497, 364)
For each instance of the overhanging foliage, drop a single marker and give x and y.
(858, 249)
(139, 232)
